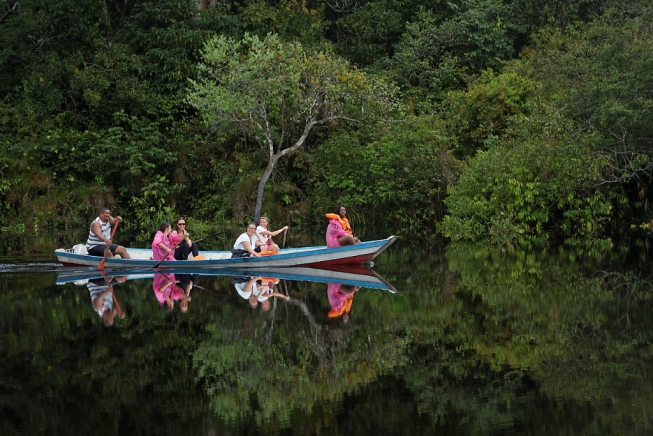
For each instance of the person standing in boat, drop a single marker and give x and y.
(266, 235)
(163, 245)
(336, 235)
(186, 247)
(245, 245)
(99, 235)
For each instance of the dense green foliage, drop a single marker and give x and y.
(517, 120)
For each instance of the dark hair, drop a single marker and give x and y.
(337, 212)
(164, 225)
(177, 220)
(102, 210)
(252, 223)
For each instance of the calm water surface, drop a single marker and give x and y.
(477, 341)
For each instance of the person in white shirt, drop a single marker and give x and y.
(266, 235)
(245, 245)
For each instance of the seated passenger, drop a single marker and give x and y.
(245, 245)
(186, 247)
(266, 235)
(336, 236)
(341, 215)
(99, 235)
(163, 245)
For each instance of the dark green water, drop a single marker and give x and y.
(476, 342)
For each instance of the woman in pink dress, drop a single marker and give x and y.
(337, 237)
(163, 245)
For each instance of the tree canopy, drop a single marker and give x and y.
(277, 94)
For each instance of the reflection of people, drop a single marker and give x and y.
(99, 235)
(336, 234)
(246, 288)
(181, 253)
(266, 235)
(102, 298)
(164, 243)
(266, 290)
(340, 298)
(257, 290)
(166, 290)
(245, 245)
(186, 283)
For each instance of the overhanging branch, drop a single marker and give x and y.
(14, 8)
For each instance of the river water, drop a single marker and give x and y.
(476, 341)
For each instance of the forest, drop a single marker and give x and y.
(514, 121)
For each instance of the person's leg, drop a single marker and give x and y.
(195, 249)
(120, 250)
(184, 280)
(346, 240)
(98, 250)
(181, 253)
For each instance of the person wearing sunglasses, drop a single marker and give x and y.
(187, 246)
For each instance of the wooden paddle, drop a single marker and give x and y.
(173, 250)
(283, 245)
(104, 258)
(121, 314)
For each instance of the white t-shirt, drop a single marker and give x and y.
(265, 238)
(238, 245)
(240, 288)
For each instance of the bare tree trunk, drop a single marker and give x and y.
(261, 186)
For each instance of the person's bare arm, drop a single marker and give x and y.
(279, 294)
(97, 229)
(250, 250)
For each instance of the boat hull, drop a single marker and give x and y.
(353, 275)
(320, 257)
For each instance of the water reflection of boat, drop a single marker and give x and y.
(319, 257)
(352, 276)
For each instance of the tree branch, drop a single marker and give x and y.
(14, 8)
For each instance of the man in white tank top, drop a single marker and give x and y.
(99, 235)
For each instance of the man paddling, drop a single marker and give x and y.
(99, 235)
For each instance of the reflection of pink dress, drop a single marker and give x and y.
(172, 291)
(159, 253)
(336, 299)
(334, 231)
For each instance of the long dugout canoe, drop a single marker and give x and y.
(317, 256)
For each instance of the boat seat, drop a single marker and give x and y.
(79, 249)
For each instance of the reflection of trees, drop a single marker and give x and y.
(272, 371)
(581, 335)
(484, 342)
(65, 373)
